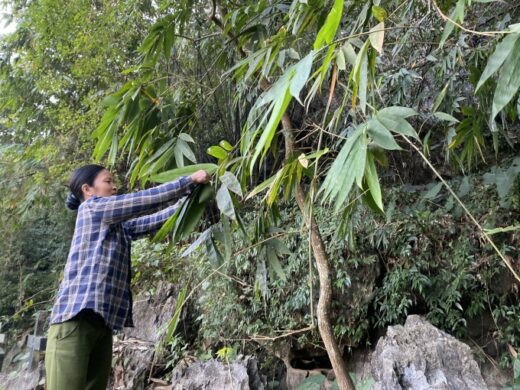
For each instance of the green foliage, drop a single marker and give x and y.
(407, 262)
(515, 383)
(227, 354)
(353, 77)
(35, 228)
(507, 58)
(356, 158)
(54, 71)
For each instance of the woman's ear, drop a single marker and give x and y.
(85, 189)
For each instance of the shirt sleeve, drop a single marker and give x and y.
(147, 224)
(119, 208)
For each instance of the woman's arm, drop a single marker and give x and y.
(147, 224)
(119, 208)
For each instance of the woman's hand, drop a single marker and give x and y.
(200, 177)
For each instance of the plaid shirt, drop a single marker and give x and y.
(97, 273)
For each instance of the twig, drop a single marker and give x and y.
(267, 338)
(448, 19)
(473, 219)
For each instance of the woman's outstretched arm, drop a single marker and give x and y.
(148, 224)
(119, 208)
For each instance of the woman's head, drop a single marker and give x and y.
(87, 181)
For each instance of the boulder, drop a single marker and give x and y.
(24, 379)
(420, 356)
(135, 348)
(151, 313)
(241, 374)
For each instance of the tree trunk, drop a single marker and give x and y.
(322, 264)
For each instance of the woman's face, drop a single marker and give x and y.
(103, 186)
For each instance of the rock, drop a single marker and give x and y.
(135, 349)
(131, 364)
(241, 374)
(151, 314)
(420, 356)
(17, 372)
(24, 379)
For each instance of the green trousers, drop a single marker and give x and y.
(79, 354)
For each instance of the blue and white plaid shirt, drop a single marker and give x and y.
(97, 273)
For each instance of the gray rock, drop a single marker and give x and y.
(135, 351)
(24, 379)
(241, 374)
(151, 314)
(419, 356)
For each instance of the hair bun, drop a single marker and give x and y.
(72, 202)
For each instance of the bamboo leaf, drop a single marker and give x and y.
(458, 16)
(272, 194)
(373, 181)
(349, 53)
(336, 179)
(508, 83)
(173, 174)
(325, 66)
(359, 158)
(198, 242)
(225, 202)
(263, 186)
(232, 183)
(104, 142)
(440, 97)
(274, 263)
(502, 229)
(186, 137)
(217, 152)
(150, 168)
(172, 325)
(340, 60)
(397, 112)
(379, 13)
(302, 70)
(445, 117)
(225, 145)
(363, 83)
(393, 119)
(186, 150)
(361, 63)
(495, 61)
(381, 135)
(264, 142)
(399, 126)
(169, 224)
(280, 248)
(341, 176)
(188, 221)
(377, 36)
(329, 28)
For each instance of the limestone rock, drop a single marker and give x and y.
(420, 356)
(134, 349)
(241, 374)
(151, 314)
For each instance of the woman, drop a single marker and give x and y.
(94, 297)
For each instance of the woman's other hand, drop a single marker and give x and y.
(200, 177)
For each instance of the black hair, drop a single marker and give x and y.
(84, 175)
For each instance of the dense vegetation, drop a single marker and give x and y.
(364, 158)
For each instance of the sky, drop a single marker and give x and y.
(3, 28)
